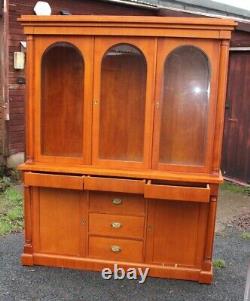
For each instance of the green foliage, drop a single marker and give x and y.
(219, 263)
(13, 195)
(5, 227)
(4, 183)
(245, 235)
(2, 171)
(11, 210)
(235, 188)
(13, 174)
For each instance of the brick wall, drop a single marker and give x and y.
(1, 86)
(15, 124)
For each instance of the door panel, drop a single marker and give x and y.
(236, 141)
(176, 232)
(122, 106)
(62, 73)
(183, 132)
(185, 104)
(123, 93)
(58, 229)
(63, 87)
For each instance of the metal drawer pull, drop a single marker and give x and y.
(116, 249)
(117, 201)
(116, 225)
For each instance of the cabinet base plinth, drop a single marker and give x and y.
(206, 277)
(91, 264)
(27, 259)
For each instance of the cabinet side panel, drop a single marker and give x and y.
(221, 98)
(29, 123)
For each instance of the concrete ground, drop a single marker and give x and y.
(230, 206)
(42, 283)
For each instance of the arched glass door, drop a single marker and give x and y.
(63, 92)
(122, 106)
(122, 100)
(184, 104)
(184, 114)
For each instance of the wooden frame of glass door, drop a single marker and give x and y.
(165, 47)
(85, 47)
(147, 47)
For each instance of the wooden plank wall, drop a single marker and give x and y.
(236, 146)
(236, 140)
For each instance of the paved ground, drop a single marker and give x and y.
(41, 283)
(231, 205)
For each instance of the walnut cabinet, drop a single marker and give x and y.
(124, 121)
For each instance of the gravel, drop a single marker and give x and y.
(242, 222)
(42, 283)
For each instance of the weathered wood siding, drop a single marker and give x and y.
(236, 146)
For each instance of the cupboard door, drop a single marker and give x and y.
(123, 92)
(176, 233)
(58, 228)
(185, 104)
(63, 93)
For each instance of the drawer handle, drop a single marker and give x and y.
(116, 225)
(116, 249)
(117, 201)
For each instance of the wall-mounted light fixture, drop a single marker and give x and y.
(19, 57)
(19, 60)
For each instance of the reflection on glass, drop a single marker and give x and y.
(122, 105)
(186, 88)
(197, 90)
(62, 101)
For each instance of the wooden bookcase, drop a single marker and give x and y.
(124, 122)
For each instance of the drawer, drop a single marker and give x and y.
(177, 193)
(117, 203)
(116, 225)
(53, 181)
(114, 184)
(115, 249)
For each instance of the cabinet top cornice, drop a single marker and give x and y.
(135, 25)
(126, 20)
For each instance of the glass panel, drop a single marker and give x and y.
(122, 111)
(183, 135)
(62, 101)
